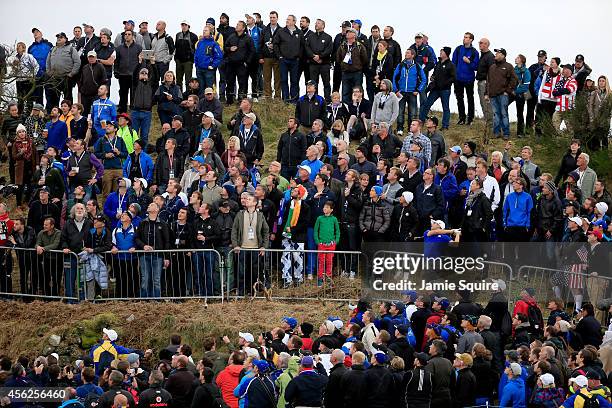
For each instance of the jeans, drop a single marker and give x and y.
(206, 280)
(500, 115)
(311, 257)
(321, 70)
(350, 80)
(206, 77)
(247, 271)
(141, 123)
(410, 99)
(468, 87)
(70, 274)
(431, 98)
(290, 79)
(150, 275)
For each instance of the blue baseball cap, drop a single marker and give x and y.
(291, 321)
(307, 361)
(381, 357)
(357, 21)
(199, 159)
(262, 365)
(130, 22)
(455, 149)
(412, 294)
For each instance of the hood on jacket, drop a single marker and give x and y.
(293, 367)
(234, 370)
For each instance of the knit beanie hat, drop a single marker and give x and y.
(447, 51)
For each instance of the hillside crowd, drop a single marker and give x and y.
(422, 351)
(94, 184)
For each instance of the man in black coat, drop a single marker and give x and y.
(306, 389)
(318, 50)
(333, 393)
(239, 51)
(588, 327)
(180, 383)
(155, 395)
(291, 149)
(115, 381)
(353, 386)
(492, 342)
(463, 384)
(401, 347)
(379, 381)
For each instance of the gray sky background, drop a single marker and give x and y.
(563, 28)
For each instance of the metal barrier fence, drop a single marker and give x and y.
(116, 275)
(567, 285)
(294, 274)
(171, 274)
(28, 273)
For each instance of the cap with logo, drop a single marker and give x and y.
(346, 24)
(542, 53)
(501, 50)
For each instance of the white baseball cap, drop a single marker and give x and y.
(112, 335)
(547, 379)
(581, 381)
(247, 336)
(577, 220)
(440, 223)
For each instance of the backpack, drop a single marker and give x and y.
(589, 401)
(92, 400)
(506, 325)
(536, 321)
(106, 358)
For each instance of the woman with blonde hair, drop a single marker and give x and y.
(337, 132)
(486, 376)
(168, 97)
(233, 148)
(600, 108)
(496, 168)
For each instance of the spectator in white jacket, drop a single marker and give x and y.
(369, 332)
(24, 68)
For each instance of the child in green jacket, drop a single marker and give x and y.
(326, 236)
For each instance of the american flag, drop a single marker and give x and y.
(579, 269)
(566, 102)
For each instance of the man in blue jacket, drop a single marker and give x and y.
(447, 181)
(516, 213)
(409, 80)
(111, 151)
(514, 390)
(425, 56)
(465, 59)
(138, 164)
(208, 56)
(39, 49)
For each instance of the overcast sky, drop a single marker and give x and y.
(563, 28)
